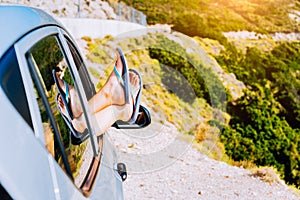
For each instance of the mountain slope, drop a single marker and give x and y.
(225, 15)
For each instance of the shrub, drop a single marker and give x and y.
(257, 133)
(178, 66)
(201, 131)
(265, 122)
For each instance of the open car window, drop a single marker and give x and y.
(50, 74)
(88, 86)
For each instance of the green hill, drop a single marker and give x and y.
(222, 15)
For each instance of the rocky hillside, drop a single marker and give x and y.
(71, 9)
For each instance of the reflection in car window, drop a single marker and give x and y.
(44, 57)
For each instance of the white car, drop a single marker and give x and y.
(40, 157)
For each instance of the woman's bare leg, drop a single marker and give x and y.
(103, 118)
(73, 97)
(112, 93)
(108, 115)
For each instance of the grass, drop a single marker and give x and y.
(94, 72)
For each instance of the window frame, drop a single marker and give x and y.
(27, 68)
(10, 76)
(21, 49)
(83, 98)
(86, 74)
(56, 133)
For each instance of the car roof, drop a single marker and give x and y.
(16, 21)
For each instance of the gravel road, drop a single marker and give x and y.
(190, 175)
(195, 176)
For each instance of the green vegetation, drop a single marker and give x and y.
(214, 16)
(264, 128)
(199, 77)
(265, 122)
(261, 129)
(165, 67)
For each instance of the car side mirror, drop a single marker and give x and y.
(142, 121)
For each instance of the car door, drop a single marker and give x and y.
(73, 167)
(24, 166)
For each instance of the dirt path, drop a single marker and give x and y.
(190, 175)
(194, 176)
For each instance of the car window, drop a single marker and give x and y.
(4, 194)
(47, 63)
(12, 84)
(88, 86)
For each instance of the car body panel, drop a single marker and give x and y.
(19, 144)
(16, 21)
(35, 175)
(21, 47)
(112, 186)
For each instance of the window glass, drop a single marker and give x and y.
(88, 86)
(43, 58)
(4, 194)
(12, 84)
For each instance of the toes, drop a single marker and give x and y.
(134, 81)
(60, 81)
(60, 102)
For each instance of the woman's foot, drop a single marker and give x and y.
(72, 97)
(114, 88)
(62, 107)
(113, 93)
(126, 114)
(78, 122)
